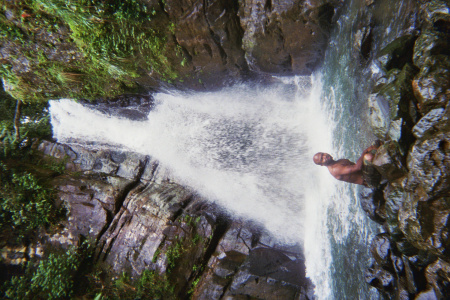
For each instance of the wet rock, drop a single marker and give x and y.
(392, 110)
(424, 224)
(141, 225)
(373, 203)
(381, 250)
(118, 163)
(279, 35)
(438, 276)
(436, 10)
(91, 203)
(394, 194)
(363, 41)
(389, 161)
(428, 44)
(210, 36)
(429, 165)
(437, 120)
(133, 107)
(244, 265)
(427, 295)
(432, 84)
(398, 53)
(381, 279)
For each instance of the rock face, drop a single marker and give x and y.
(224, 39)
(206, 44)
(409, 108)
(134, 213)
(285, 37)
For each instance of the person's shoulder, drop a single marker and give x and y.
(344, 162)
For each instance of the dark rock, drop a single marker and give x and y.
(424, 224)
(393, 194)
(389, 161)
(363, 41)
(432, 84)
(279, 35)
(380, 278)
(275, 264)
(133, 107)
(434, 121)
(141, 226)
(430, 43)
(373, 203)
(398, 53)
(381, 249)
(438, 276)
(210, 36)
(90, 203)
(392, 108)
(427, 295)
(243, 266)
(436, 11)
(429, 165)
(408, 279)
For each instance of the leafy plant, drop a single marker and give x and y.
(52, 279)
(25, 204)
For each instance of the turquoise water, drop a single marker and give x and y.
(347, 80)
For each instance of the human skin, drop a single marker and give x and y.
(344, 169)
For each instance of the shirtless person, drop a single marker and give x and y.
(343, 169)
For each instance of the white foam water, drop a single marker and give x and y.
(248, 148)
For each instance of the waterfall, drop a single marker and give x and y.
(248, 148)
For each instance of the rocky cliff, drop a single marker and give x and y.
(103, 49)
(138, 219)
(409, 109)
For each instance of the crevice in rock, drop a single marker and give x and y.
(183, 205)
(110, 216)
(268, 5)
(215, 38)
(124, 194)
(222, 225)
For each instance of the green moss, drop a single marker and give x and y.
(102, 46)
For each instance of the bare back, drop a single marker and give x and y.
(345, 170)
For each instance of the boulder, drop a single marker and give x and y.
(432, 84)
(389, 161)
(429, 166)
(424, 224)
(248, 263)
(381, 279)
(392, 107)
(436, 120)
(397, 53)
(373, 203)
(91, 203)
(438, 277)
(285, 37)
(429, 43)
(394, 194)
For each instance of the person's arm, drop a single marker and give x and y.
(346, 167)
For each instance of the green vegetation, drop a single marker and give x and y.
(174, 253)
(53, 278)
(80, 48)
(26, 199)
(150, 285)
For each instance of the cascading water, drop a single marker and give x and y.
(249, 149)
